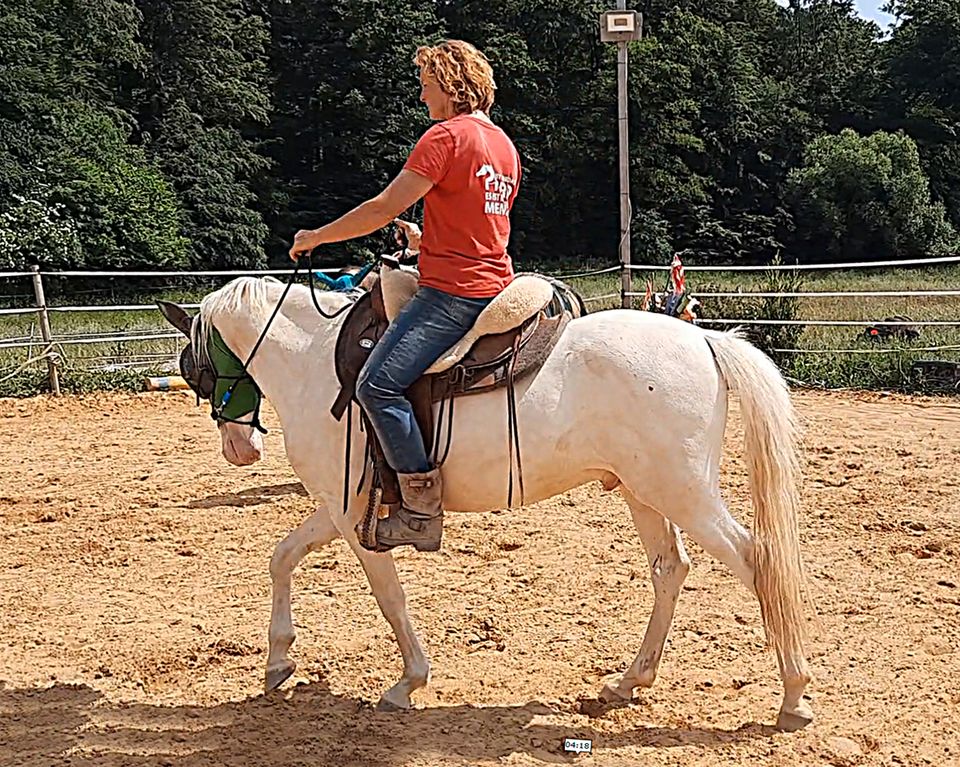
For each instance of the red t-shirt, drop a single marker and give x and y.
(475, 170)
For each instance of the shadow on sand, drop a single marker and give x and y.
(252, 496)
(76, 725)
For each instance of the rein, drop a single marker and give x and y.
(313, 293)
(244, 374)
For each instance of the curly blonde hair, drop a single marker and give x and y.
(461, 71)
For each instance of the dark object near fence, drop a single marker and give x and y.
(936, 375)
(884, 332)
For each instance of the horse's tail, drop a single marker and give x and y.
(772, 454)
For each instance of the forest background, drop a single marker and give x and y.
(204, 133)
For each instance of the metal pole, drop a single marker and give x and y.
(622, 122)
(45, 329)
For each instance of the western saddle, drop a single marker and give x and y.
(510, 341)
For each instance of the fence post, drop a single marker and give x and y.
(45, 329)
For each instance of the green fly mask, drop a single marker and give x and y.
(233, 394)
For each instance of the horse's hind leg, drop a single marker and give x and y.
(707, 520)
(669, 565)
(316, 531)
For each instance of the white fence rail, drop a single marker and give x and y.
(50, 346)
(825, 294)
(833, 323)
(802, 267)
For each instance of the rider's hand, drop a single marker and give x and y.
(412, 232)
(304, 241)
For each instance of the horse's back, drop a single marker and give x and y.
(645, 342)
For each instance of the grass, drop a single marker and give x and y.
(91, 366)
(83, 365)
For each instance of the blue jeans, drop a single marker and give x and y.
(426, 327)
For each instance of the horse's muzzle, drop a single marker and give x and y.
(241, 445)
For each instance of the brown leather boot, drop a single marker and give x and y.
(419, 521)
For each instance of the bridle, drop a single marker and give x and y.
(226, 383)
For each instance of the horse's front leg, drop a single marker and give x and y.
(316, 531)
(385, 584)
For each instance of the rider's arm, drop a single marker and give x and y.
(406, 189)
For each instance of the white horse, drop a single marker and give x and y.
(580, 420)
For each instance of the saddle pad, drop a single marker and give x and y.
(522, 299)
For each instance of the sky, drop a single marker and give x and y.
(869, 9)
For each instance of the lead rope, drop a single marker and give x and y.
(244, 373)
(313, 295)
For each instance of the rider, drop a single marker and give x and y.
(468, 172)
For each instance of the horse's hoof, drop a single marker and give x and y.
(277, 675)
(610, 698)
(796, 720)
(392, 701)
(612, 694)
(387, 707)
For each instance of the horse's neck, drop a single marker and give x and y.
(293, 366)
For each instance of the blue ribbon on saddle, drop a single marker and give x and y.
(345, 282)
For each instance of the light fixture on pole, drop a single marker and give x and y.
(621, 27)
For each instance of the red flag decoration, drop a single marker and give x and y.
(677, 277)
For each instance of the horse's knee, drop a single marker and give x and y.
(280, 564)
(682, 565)
(276, 561)
(315, 532)
(671, 570)
(681, 568)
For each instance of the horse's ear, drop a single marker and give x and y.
(176, 317)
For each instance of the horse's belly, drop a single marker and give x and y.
(490, 490)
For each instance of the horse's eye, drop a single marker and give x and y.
(206, 383)
(192, 375)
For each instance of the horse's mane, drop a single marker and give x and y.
(247, 295)
(244, 294)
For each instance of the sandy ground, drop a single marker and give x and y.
(134, 603)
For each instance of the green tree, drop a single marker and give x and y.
(923, 67)
(831, 58)
(709, 154)
(867, 198)
(199, 102)
(54, 54)
(206, 132)
(73, 191)
(53, 50)
(100, 204)
(735, 159)
(556, 98)
(347, 109)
